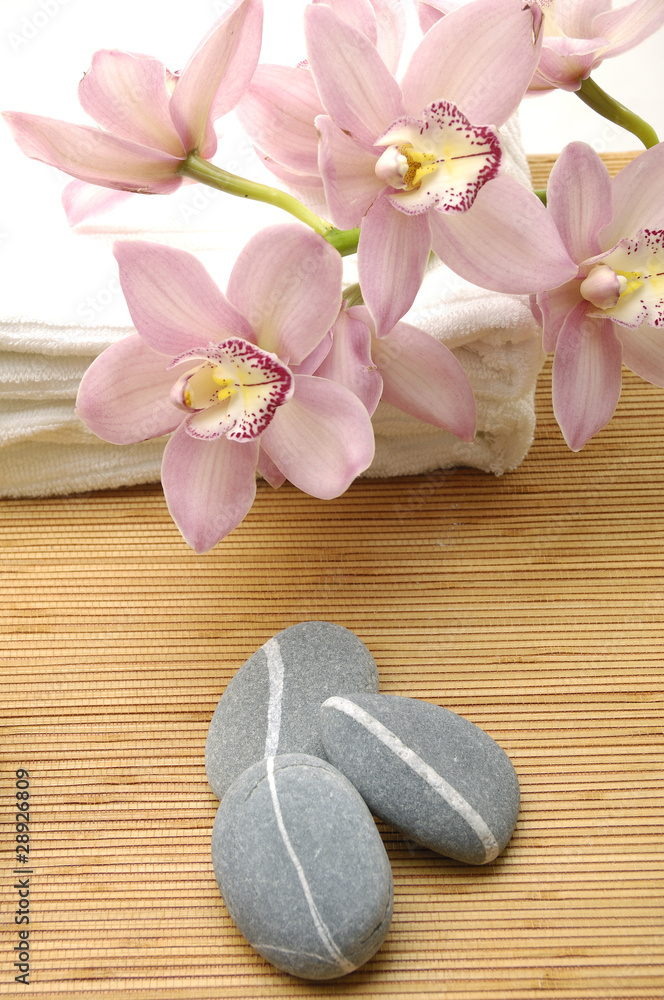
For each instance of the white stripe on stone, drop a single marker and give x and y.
(266, 946)
(322, 929)
(275, 669)
(424, 770)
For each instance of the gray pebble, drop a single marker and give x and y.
(426, 771)
(271, 705)
(302, 868)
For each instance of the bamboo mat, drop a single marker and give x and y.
(531, 604)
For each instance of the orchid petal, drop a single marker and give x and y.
(393, 253)
(643, 352)
(174, 303)
(506, 241)
(382, 21)
(278, 113)
(127, 95)
(556, 305)
(480, 57)
(638, 197)
(565, 62)
(310, 364)
(308, 187)
(83, 201)
(217, 75)
(209, 486)
(575, 19)
(572, 48)
(322, 438)
(429, 13)
(540, 84)
(536, 303)
(349, 174)
(391, 24)
(359, 14)
(94, 156)
(579, 199)
(124, 395)
(269, 471)
(287, 282)
(422, 377)
(626, 26)
(586, 376)
(356, 87)
(349, 360)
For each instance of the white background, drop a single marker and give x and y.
(46, 46)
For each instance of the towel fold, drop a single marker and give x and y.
(62, 306)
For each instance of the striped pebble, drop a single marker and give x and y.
(271, 705)
(429, 773)
(302, 868)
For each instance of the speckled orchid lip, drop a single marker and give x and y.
(234, 391)
(440, 160)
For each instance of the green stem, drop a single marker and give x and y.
(604, 105)
(344, 240)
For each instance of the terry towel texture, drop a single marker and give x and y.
(65, 306)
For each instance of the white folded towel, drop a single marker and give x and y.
(62, 305)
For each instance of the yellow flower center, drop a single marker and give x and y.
(403, 166)
(227, 386)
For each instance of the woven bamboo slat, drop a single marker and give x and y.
(530, 603)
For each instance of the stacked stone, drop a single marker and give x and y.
(302, 750)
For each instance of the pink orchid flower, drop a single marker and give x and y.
(150, 118)
(417, 164)
(217, 371)
(612, 311)
(578, 35)
(280, 107)
(408, 368)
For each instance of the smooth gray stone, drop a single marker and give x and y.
(302, 868)
(271, 705)
(426, 771)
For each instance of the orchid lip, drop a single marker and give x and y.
(233, 392)
(440, 161)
